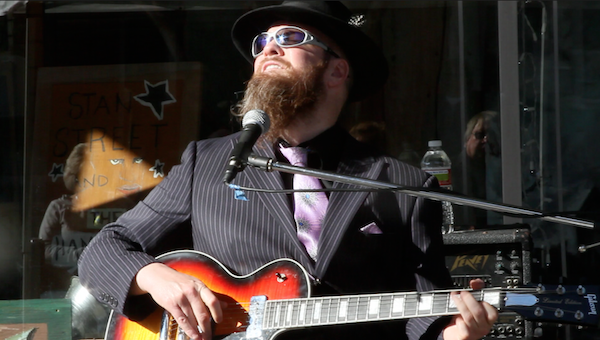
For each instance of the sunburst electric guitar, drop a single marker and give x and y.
(276, 298)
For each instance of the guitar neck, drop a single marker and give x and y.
(363, 308)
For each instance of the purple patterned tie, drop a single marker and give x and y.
(309, 207)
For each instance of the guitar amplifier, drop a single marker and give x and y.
(501, 258)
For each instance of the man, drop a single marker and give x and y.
(308, 62)
(476, 135)
(478, 158)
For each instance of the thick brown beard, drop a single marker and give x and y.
(284, 96)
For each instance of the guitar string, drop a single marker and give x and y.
(411, 302)
(410, 305)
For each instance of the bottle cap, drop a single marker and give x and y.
(434, 143)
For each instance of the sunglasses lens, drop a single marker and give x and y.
(290, 37)
(259, 44)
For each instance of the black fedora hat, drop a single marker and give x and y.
(332, 18)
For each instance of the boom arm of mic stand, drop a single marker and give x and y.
(268, 164)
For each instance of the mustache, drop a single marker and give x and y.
(277, 59)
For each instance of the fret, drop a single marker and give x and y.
(267, 315)
(288, 313)
(324, 310)
(451, 303)
(353, 308)
(440, 304)
(374, 304)
(273, 314)
(333, 310)
(278, 314)
(295, 312)
(410, 305)
(447, 303)
(310, 310)
(398, 305)
(424, 304)
(302, 316)
(492, 297)
(317, 311)
(385, 309)
(343, 310)
(361, 308)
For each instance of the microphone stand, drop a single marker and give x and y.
(267, 164)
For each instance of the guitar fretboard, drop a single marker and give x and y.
(361, 308)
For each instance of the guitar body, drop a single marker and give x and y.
(281, 279)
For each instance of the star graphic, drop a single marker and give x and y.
(156, 97)
(57, 171)
(158, 168)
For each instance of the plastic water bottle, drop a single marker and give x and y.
(437, 163)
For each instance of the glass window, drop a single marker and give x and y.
(98, 99)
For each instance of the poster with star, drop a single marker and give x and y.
(134, 121)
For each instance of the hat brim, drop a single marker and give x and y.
(369, 66)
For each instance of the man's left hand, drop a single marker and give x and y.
(475, 319)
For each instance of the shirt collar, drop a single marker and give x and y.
(325, 149)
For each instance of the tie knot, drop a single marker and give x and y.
(296, 155)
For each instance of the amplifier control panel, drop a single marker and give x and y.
(501, 258)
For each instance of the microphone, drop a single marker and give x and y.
(254, 124)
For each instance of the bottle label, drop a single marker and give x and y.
(444, 176)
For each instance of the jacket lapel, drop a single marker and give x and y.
(343, 206)
(278, 205)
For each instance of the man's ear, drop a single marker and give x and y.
(338, 72)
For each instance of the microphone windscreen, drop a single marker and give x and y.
(258, 117)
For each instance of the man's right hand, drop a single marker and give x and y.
(188, 300)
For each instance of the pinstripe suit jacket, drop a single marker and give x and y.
(244, 235)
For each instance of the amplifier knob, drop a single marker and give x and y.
(519, 331)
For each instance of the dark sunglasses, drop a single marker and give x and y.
(479, 135)
(287, 36)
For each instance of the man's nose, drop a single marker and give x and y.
(271, 48)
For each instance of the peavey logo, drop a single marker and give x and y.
(476, 262)
(593, 301)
